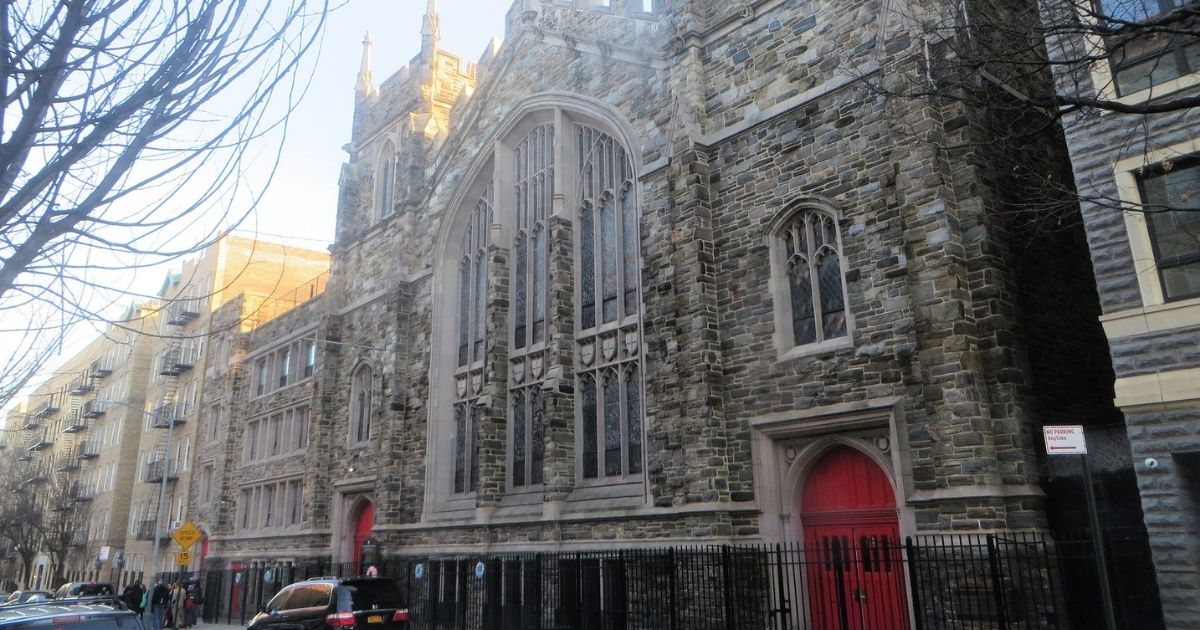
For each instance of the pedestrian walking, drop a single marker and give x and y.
(132, 596)
(178, 595)
(160, 599)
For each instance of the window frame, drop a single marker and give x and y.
(1188, 161)
(1175, 47)
(779, 285)
(362, 381)
(385, 181)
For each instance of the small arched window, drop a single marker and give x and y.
(808, 281)
(361, 405)
(385, 181)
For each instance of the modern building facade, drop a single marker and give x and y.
(1138, 177)
(647, 274)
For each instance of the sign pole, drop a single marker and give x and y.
(1098, 546)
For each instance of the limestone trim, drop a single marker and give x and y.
(347, 502)
(1161, 390)
(1137, 231)
(785, 446)
(1161, 317)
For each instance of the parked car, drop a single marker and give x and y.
(84, 589)
(358, 603)
(70, 614)
(21, 597)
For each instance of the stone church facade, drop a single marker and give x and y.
(645, 274)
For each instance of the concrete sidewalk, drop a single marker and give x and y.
(218, 626)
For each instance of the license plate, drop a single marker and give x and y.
(374, 618)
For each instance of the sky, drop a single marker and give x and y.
(301, 203)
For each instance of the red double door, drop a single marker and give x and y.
(852, 546)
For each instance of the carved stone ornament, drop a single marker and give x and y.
(518, 372)
(609, 345)
(883, 443)
(631, 343)
(748, 14)
(460, 386)
(790, 452)
(587, 353)
(537, 366)
(476, 382)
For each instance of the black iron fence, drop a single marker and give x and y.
(1011, 581)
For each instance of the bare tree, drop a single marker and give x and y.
(122, 140)
(1041, 66)
(21, 512)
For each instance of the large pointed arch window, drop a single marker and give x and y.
(472, 344)
(533, 170)
(385, 181)
(608, 371)
(808, 279)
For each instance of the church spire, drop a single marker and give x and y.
(364, 86)
(431, 29)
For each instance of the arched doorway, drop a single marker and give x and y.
(852, 535)
(363, 523)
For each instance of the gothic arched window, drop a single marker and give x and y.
(533, 174)
(361, 405)
(609, 336)
(385, 182)
(808, 281)
(472, 345)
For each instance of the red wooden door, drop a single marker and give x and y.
(362, 531)
(851, 535)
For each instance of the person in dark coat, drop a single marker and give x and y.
(160, 598)
(132, 596)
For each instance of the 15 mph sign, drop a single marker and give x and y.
(1064, 440)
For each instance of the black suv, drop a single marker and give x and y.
(358, 603)
(84, 613)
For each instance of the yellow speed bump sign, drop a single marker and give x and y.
(186, 535)
(183, 558)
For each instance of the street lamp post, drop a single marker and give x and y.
(162, 486)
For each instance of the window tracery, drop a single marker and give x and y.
(472, 344)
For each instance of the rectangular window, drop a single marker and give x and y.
(1171, 201)
(261, 369)
(300, 428)
(214, 423)
(206, 483)
(285, 366)
(1142, 56)
(310, 357)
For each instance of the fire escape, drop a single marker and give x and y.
(170, 410)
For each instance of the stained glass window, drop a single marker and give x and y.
(533, 174)
(472, 340)
(815, 300)
(360, 404)
(608, 342)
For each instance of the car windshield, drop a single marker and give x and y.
(370, 594)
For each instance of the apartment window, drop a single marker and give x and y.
(1142, 56)
(1171, 200)
(360, 405)
(808, 283)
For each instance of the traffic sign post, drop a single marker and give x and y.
(1070, 440)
